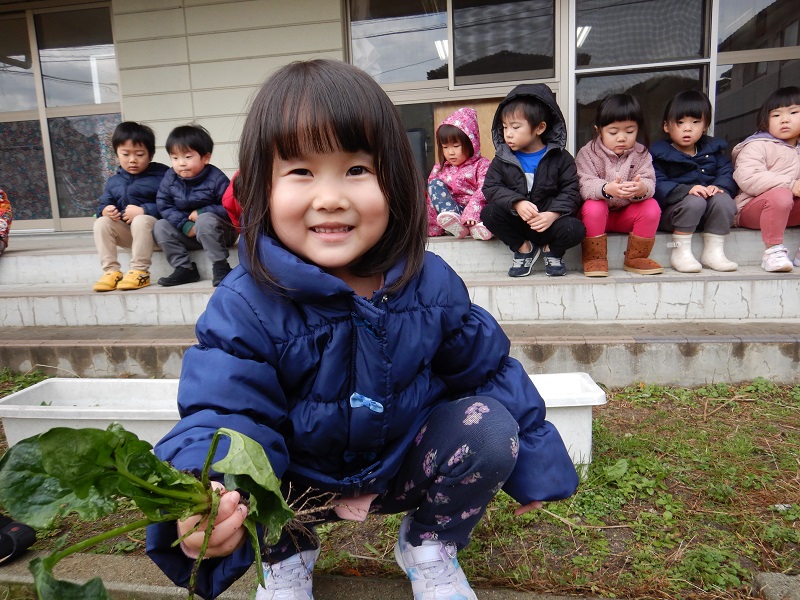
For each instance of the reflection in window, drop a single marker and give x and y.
(621, 32)
(22, 170)
(76, 52)
(754, 24)
(399, 41)
(83, 159)
(418, 121)
(652, 88)
(739, 96)
(17, 87)
(503, 41)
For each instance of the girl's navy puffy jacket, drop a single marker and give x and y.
(140, 189)
(282, 370)
(178, 197)
(677, 173)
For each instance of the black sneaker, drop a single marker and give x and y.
(218, 271)
(180, 276)
(554, 266)
(523, 262)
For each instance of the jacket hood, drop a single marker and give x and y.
(302, 281)
(758, 136)
(466, 119)
(555, 136)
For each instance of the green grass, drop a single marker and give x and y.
(691, 492)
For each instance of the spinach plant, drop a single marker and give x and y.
(86, 471)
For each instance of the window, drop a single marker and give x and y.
(16, 67)
(756, 24)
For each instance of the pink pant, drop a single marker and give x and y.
(640, 218)
(771, 212)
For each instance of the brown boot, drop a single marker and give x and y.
(595, 256)
(636, 260)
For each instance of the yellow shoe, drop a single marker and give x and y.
(134, 280)
(108, 281)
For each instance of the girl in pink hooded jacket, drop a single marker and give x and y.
(455, 197)
(767, 170)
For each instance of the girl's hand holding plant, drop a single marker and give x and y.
(228, 532)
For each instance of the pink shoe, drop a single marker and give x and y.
(451, 223)
(479, 232)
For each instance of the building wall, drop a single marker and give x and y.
(184, 61)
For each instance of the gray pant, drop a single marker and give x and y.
(712, 215)
(212, 234)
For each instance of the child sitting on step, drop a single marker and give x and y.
(455, 195)
(190, 201)
(532, 185)
(768, 173)
(355, 358)
(694, 184)
(127, 210)
(617, 184)
(5, 220)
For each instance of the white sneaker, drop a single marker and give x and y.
(289, 579)
(432, 568)
(797, 258)
(776, 260)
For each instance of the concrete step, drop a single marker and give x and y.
(72, 258)
(748, 293)
(615, 354)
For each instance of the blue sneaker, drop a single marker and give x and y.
(523, 262)
(554, 266)
(432, 568)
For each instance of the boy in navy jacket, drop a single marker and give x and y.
(127, 211)
(190, 202)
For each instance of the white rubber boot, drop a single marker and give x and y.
(713, 255)
(682, 259)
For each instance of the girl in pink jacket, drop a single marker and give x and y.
(617, 182)
(767, 170)
(455, 197)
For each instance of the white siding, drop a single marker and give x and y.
(203, 60)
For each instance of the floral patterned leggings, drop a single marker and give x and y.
(458, 462)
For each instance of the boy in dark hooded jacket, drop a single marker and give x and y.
(531, 187)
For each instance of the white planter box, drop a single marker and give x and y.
(148, 407)
(569, 398)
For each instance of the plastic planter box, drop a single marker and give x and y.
(148, 407)
(569, 398)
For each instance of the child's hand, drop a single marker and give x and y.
(131, 211)
(192, 216)
(228, 533)
(526, 210)
(635, 188)
(699, 190)
(470, 223)
(712, 190)
(614, 188)
(521, 510)
(796, 188)
(111, 212)
(543, 220)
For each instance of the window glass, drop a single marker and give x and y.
(755, 24)
(418, 120)
(740, 95)
(399, 41)
(653, 89)
(22, 170)
(76, 52)
(17, 87)
(84, 159)
(503, 41)
(621, 32)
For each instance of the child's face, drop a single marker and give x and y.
(454, 153)
(188, 163)
(784, 123)
(328, 208)
(520, 136)
(685, 132)
(134, 158)
(619, 136)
